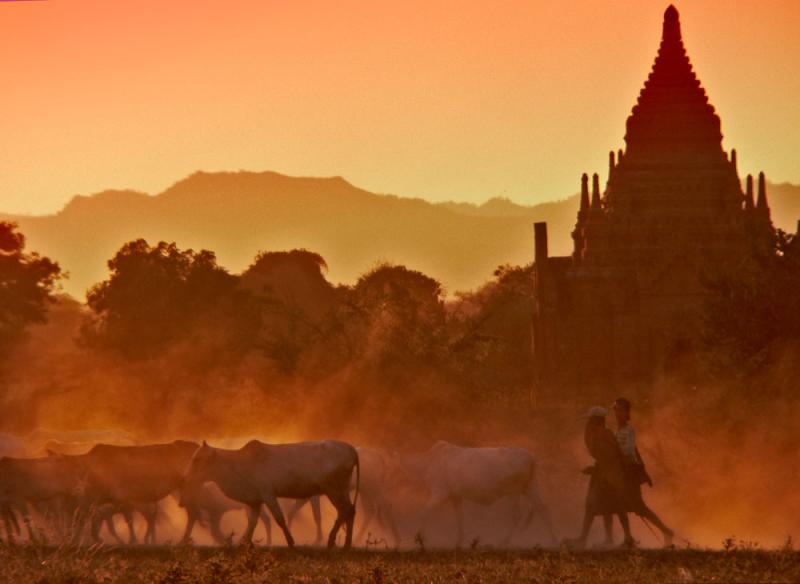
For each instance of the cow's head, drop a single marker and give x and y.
(200, 466)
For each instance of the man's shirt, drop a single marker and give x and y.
(626, 438)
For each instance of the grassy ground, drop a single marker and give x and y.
(173, 565)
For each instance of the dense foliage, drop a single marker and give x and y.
(27, 282)
(159, 296)
(752, 316)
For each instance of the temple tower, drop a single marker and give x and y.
(626, 303)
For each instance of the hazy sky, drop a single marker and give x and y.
(444, 100)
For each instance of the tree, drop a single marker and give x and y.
(490, 331)
(159, 296)
(399, 316)
(27, 283)
(752, 313)
(297, 307)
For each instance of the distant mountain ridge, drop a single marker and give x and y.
(238, 214)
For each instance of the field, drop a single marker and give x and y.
(177, 565)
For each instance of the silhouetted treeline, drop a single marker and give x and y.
(752, 315)
(177, 330)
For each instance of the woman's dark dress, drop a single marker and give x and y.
(608, 486)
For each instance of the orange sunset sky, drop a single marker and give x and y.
(442, 100)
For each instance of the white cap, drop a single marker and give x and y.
(596, 412)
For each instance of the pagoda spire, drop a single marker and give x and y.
(749, 201)
(595, 191)
(762, 192)
(584, 192)
(672, 24)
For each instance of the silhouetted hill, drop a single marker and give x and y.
(238, 214)
(784, 199)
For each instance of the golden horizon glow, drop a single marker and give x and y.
(412, 98)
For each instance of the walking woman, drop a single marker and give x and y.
(608, 486)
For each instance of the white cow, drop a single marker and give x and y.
(378, 473)
(453, 474)
(261, 473)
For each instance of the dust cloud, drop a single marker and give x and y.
(724, 462)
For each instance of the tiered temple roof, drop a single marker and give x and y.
(627, 304)
(673, 180)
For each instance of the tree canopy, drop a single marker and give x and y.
(27, 282)
(158, 295)
(753, 309)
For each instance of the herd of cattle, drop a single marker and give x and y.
(71, 484)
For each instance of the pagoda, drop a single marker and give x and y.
(625, 306)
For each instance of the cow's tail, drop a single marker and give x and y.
(358, 480)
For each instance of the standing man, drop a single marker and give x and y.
(635, 472)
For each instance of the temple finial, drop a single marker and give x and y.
(762, 191)
(585, 192)
(672, 24)
(733, 159)
(595, 191)
(749, 202)
(611, 163)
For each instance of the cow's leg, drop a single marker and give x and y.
(127, 513)
(386, 516)
(369, 509)
(267, 524)
(252, 519)
(317, 514)
(436, 500)
(112, 529)
(345, 515)
(93, 516)
(150, 513)
(191, 518)
(8, 522)
(294, 509)
(215, 526)
(83, 517)
(459, 509)
(277, 514)
(538, 507)
(11, 522)
(26, 519)
(515, 501)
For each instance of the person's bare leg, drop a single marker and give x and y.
(626, 529)
(608, 527)
(650, 516)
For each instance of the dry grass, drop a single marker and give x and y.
(175, 565)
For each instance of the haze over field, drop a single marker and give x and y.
(238, 214)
